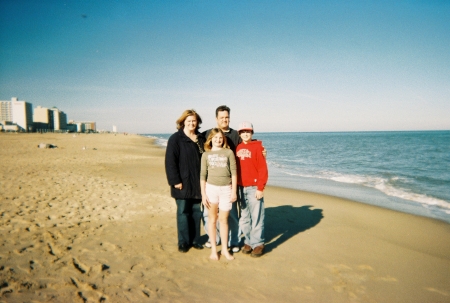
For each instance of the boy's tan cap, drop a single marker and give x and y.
(245, 126)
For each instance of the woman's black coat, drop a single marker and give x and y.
(183, 159)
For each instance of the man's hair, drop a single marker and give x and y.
(221, 109)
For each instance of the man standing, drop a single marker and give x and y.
(233, 139)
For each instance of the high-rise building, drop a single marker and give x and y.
(22, 113)
(82, 127)
(90, 127)
(59, 119)
(43, 119)
(17, 112)
(6, 111)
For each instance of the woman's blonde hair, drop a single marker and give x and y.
(212, 133)
(188, 113)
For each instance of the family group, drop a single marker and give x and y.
(218, 177)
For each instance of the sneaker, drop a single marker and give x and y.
(235, 249)
(247, 249)
(258, 251)
(208, 244)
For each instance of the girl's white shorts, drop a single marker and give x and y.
(219, 195)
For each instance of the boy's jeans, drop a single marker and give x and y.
(233, 226)
(252, 216)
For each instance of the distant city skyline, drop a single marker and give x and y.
(285, 66)
(20, 116)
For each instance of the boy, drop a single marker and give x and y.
(252, 178)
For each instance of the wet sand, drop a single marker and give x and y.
(92, 221)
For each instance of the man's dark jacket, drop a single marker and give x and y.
(183, 158)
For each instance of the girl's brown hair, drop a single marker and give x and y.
(212, 133)
(188, 113)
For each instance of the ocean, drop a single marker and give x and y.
(407, 171)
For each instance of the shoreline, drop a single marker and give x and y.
(350, 191)
(368, 196)
(85, 224)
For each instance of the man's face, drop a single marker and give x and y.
(223, 120)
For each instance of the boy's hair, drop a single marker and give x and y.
(212, 133)
(188, 113)
(239, 132)
(221, 109)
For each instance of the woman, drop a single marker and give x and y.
(183, 156)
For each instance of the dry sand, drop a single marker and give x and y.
(92, 221)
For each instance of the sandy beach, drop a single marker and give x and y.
(92, 221)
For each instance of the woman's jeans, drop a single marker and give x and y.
(189, 215)
(252, 216)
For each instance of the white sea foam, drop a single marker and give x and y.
(406, 171)
(382, 185)
(159, 141)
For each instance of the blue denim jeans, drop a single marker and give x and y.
(189, 215)
(252, 216)
(233, 226)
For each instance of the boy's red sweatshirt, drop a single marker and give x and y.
(251, 165)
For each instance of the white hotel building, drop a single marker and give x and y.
(82, 127)
(49, 119)
(17, 112)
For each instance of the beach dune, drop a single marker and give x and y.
(91, 220)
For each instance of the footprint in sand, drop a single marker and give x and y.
(109, 246)
(254, 294)
(307, 289)
(78, 265)
(365, 267)
(345, 280)
(88, 292)
(387, 279)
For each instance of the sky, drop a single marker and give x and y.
(286, 66)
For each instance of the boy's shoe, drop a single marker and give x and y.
(247, 249)
(208, 244)
(258, 251)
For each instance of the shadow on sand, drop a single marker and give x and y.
(286, 221)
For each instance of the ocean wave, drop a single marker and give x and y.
(381, 184)
(160, 141)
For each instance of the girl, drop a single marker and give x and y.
(218, 182)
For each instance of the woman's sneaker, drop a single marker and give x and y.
(208, 244)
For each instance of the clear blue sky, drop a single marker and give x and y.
(283, 65)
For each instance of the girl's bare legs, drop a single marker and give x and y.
(223, 221)
(212, 222)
